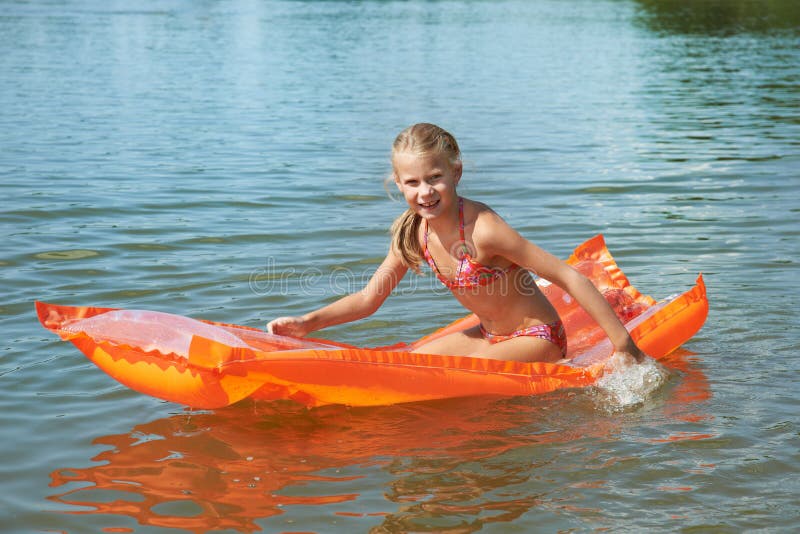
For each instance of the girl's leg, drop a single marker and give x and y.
(470, 342)
(464, 343)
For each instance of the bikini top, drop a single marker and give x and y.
(469, 273)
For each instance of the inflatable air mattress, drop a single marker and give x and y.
(204, 364)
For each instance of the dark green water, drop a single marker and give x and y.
(225, 160)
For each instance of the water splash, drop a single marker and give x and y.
(626, 385)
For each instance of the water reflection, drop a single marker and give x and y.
(456, 464)
(719, 17)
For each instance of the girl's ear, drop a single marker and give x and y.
(458, 168)
(397, 182)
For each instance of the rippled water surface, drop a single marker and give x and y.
(225, 160)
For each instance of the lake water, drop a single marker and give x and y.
(225, 160)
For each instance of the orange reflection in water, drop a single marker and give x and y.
(229, 469)
(692, 390)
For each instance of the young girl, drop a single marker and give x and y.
(484, 262)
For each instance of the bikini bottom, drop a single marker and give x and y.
(552, 332)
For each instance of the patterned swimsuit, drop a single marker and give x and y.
(470, 274)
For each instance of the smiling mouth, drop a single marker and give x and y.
(429, 204)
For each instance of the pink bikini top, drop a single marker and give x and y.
(469, 272)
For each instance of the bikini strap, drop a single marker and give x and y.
(464, 247)
(461, 218)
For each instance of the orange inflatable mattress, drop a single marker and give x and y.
(204, 364)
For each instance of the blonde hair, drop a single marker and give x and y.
(422, 139)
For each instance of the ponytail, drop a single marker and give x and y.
(405, 240)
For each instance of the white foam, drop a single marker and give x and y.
(626, 384)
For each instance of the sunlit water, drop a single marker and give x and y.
(224, 160)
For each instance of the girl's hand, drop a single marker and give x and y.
(288, 326)
(629, 351)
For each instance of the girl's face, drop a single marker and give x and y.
(428, 182)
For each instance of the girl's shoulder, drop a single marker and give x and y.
(483, 220)
(491, 233)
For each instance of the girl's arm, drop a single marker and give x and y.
(507, 242)
(348, 308)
